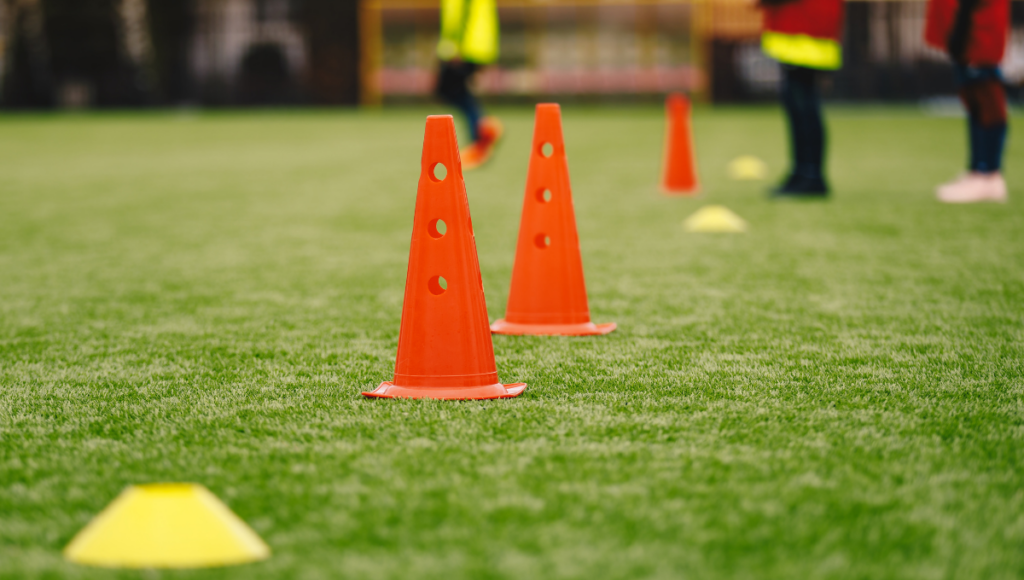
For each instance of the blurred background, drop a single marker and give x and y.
(137, 53)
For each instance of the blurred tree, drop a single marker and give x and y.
(74, 53)
(171, 24)
(133, 52)
(332, 41)
(264, 78)
(88, 53)
(27, 82)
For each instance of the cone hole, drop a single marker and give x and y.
(543, 195)
(438, 172)
(542, 241)
(437, 228)
(547, 149)
(437, 285)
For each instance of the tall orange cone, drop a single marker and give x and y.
(444, 345)
(548, 295)
(680, 172)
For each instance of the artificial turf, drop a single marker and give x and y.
(838, 393)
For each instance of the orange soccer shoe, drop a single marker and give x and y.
(480, 151)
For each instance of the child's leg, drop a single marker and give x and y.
(802, 102)
(453, 88)
(984, 97)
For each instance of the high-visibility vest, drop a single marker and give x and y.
(988, 33)
(469, 31)
(805, 33)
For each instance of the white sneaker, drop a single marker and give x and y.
(974, 187)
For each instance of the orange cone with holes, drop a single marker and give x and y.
(680, 171)
(548, 295)
(444, 345)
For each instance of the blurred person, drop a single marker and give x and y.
(974, 34)
(469, 42)
(804, 36)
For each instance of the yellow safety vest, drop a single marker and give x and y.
(469, 30)
(803, 50)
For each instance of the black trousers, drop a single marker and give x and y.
(453, 88)
(984, 96)
(802, 101)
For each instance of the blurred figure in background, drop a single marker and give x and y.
(469, 41)
(974, 33)
(804, 35)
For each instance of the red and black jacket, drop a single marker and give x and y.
(804, 32)
(815, 18)
(973, 32)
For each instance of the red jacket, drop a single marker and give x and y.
(815, 18)
(990, 26)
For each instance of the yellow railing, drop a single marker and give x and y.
(710, 18)
(371, 27)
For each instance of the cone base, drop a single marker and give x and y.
(691, 192)
(503, 326)
(389, 390)
(166, 525)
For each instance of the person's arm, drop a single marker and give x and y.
(961, 33)
(453, 17)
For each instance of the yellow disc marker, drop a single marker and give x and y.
(166, 525)
(748, 168)
(715, 218)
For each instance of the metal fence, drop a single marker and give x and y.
(569, 47)
(632, 49)
(238, 52)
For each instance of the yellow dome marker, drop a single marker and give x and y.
(166, 525)
(748, 168)
(715, 218)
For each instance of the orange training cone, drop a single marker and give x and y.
(548, 295)
(444, 345)
(680, 173)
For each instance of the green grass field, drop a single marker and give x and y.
(838, 393)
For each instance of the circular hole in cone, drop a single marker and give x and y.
(547, 149)
(544, 195)
(437, 229)
(542, 241)
(438, 172)
(437, 285)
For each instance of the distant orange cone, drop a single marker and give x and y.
(548, 295)
(680, 171)
(444, 346)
